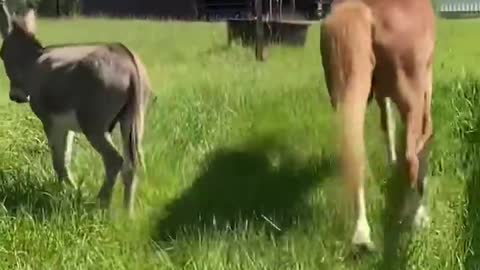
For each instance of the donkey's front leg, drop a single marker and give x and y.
(60, 141)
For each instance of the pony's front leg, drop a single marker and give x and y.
(421, 218)
(388, 126)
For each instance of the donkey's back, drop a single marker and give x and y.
(94, 80)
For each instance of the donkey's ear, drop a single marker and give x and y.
(30, 21)
(5, 20)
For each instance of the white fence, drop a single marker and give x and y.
(460, 7)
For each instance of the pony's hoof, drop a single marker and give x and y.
(392, 161)
(421, 219)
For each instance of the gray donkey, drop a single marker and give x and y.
(86, 88)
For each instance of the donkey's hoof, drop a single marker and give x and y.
(363, 249)
(103, 200)
(66, 182)
(103, 205)
(69, 184)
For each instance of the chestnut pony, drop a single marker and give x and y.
(382, 49)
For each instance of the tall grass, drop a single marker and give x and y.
(241, 164)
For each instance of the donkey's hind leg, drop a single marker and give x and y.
(129, 168)
(60, 141)
(112, 162)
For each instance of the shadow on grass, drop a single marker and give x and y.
(397, 234)
(401, 203)
(472, 220)
(262, 183)
(471, 217)
(218, 48)
(22, 193)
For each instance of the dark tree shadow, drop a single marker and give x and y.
(24, 193)
(263, 183)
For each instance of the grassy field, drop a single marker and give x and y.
(241, 164)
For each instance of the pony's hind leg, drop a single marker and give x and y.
(348, 70)
(353, 109)
(112, 162)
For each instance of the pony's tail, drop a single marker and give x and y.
(348, 61)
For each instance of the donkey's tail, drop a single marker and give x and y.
(136, 109)
(348, 61)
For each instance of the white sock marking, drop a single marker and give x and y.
(362, 228)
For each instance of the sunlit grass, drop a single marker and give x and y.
(241, 163)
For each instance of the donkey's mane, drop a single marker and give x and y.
(94, 43)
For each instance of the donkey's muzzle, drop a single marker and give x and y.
(19, 99)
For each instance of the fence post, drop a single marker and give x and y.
(58, 8)
(259, 35)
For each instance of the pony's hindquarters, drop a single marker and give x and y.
(348, 61)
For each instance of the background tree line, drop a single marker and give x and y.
(46, 7)
(72, 7)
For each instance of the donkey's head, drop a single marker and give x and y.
(19, 51)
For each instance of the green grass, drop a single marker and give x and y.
(241, 163)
